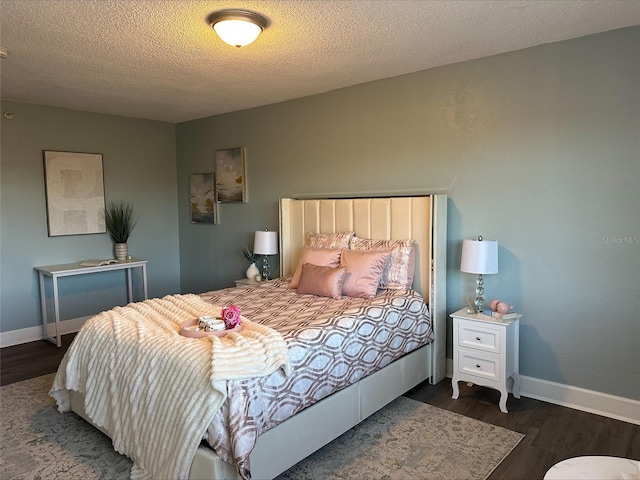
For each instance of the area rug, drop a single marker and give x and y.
(405, 440)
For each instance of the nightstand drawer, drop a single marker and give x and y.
(480, 337)
(479, 365)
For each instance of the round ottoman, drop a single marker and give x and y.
(595, 468)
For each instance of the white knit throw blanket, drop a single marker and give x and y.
(151, 389)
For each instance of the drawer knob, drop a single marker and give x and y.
(478, 339)
(477, 365)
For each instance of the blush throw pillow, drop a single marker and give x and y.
(363, 272)
(399, 273)
(325, 257)
(329, 240)
(321, 281)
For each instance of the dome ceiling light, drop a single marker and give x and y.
(238, 28)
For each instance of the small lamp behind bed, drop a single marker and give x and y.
(265, 243)
(481, 257)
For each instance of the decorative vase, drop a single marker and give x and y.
(122, 251)
(252, 271)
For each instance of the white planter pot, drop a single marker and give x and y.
(121, 251)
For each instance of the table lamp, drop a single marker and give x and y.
(480, 257)
(265, 243)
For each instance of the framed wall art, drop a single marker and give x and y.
(74, 186)
(231, 179)
(203, 199)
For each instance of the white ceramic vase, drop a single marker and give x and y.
(121, 251)
(252, 271)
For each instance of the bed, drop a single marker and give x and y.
(282, 445)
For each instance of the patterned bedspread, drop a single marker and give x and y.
(332, 344)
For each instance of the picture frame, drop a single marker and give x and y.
(231, 178)
(203, 204)
(74, 190)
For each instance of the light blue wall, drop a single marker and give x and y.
(139, 165)
(538, 149)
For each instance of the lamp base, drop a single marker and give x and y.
(266, 274)
(478, 301)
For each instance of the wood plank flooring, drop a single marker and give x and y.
(552, 433)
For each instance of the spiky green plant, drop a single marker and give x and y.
(119, 219)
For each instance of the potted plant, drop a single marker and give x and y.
(119, 220)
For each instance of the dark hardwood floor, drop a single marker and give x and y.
(552, 433)
(29, 360)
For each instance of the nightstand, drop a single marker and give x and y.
(485, 352)
(244, 282)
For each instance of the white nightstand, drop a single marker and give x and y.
(485, 352)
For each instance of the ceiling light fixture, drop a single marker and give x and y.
(238, 28)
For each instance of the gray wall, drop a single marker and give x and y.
(139, 165)
(538, 149)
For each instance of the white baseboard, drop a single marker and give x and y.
(612, 406)
(620, 408)
(33, 334)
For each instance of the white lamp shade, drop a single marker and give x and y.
(265, 243)
(237, 33)
(479, 256)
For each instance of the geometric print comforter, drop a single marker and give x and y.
(332, 344)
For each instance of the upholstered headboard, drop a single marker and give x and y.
(421, 218)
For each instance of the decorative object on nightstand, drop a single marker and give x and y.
(480, 257)
(252, 271)
(486, 352)
(119, 220)
(265, 243)
(502, 310)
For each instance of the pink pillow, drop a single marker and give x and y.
(329, 240)
(399, 273)
(325, 257)
(321, 281)
(363, 272)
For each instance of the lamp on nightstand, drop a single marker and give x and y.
(265, 243)
(480, 257)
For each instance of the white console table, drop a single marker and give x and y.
(71, 269)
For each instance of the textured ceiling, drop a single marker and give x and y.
(158, 59)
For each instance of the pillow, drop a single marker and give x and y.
(363, 272)
(325, 257)
(329, 240)
(399, 273)
(321, 281)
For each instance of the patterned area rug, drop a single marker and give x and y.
(405, 440)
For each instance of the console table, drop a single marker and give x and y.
(71, 269)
